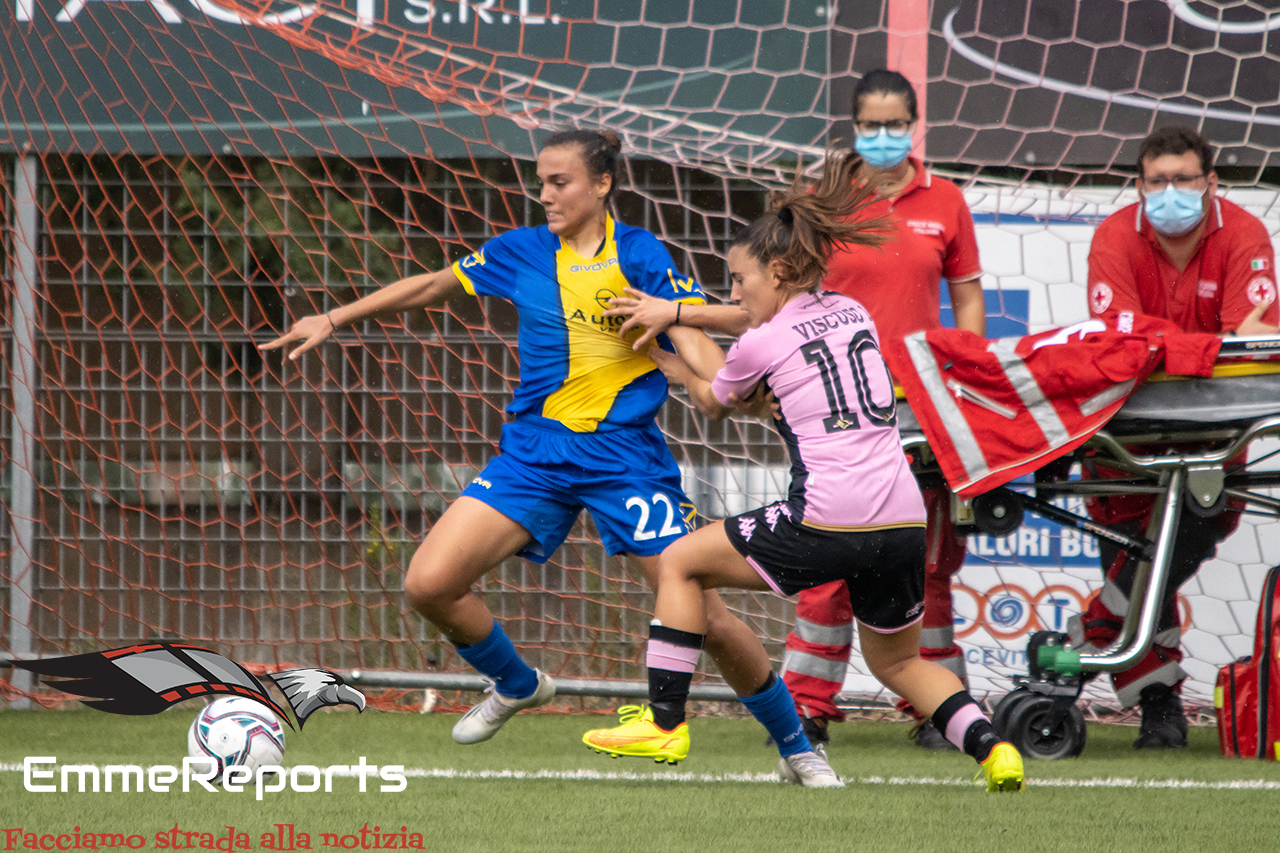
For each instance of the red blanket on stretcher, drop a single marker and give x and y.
(994, 410)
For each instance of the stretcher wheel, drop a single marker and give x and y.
(997, 513)
(1005, 707)
(1030, 730)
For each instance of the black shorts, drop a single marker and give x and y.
(883, 567)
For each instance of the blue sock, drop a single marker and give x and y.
(497, 658)
(776, 711)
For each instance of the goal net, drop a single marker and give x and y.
(186, 177)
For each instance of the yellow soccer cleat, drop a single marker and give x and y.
(1003, 769)
(638, 736)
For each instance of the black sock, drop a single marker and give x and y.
(669, 688)
(668, 712)
(979, 735)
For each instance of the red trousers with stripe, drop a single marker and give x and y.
(1100, 624)
(817, 651)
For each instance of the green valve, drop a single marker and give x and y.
(1059, 659)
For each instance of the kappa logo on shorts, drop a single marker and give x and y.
(914, 610)
(775, 511)
(746, 527)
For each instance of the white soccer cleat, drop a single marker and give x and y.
(809, 769)
(483, 720)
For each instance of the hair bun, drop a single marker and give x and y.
(612, 139)
(785, 215)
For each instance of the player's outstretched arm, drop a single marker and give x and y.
(703, 358)
(678, 372)
(419, 291)
(699, 352)
(657, 315)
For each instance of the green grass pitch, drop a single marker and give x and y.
(535, 787)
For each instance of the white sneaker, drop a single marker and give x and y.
(483, 720)
(809, 769)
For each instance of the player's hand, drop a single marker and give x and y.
(760, 403)
(311, 330)
(641, 309)
(675, 368)
(1253, 325)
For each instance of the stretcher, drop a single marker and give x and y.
(1220, 416)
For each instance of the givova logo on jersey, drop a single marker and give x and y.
(595, 266)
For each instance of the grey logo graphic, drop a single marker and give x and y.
(310, 689)
(150, 677)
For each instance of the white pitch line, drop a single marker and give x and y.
(586, 775)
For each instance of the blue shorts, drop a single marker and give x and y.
(546, 474)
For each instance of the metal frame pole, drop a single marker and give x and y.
(26, 176)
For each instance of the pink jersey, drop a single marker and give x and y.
(821, 358)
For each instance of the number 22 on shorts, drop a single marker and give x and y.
(673, 524)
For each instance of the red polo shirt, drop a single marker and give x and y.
(1232, 270)
(899, 282)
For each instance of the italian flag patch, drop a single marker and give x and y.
(1258, 264)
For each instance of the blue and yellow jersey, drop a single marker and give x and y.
(574, 367)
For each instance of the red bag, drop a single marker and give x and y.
(1247, 695)
(1235, 701)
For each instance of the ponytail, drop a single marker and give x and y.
(810, 221)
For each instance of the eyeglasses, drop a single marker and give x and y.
(896, 128)
(1182, 182)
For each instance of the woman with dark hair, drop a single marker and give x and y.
(931, 239)
(582, 432)
(853, 516)
(899, 285)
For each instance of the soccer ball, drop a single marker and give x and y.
(231, 730)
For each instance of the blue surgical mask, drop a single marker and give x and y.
(883, 151)
(1174, 212)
